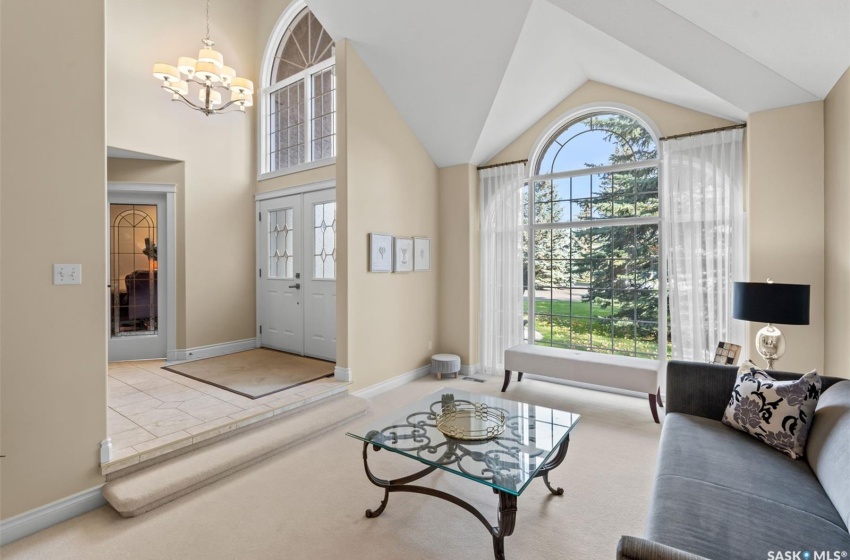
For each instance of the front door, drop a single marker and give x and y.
(137, 286)
(297, 274)
(281, 239)
(320, 280)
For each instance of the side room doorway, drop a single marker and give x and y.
(140, 263)
(296, 285)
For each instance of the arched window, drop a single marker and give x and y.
(593, 215)
(298, 128)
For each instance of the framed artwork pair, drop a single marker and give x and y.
(399, 254)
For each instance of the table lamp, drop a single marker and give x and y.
(768, 302)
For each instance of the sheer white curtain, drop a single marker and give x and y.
(501, 263)
(704, 227)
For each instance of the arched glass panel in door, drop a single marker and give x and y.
(133, 270)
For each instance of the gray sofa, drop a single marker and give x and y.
(720, 494)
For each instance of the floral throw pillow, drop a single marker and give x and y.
(779, 413)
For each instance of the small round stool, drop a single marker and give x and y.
(445, 363)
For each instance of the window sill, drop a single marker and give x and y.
(297, 169)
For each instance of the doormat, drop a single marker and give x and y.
(255, 373)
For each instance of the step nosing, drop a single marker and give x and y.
(183, 474)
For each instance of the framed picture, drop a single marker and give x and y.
(421, 254)
(380, 252)
(727, 353)
(403, 254)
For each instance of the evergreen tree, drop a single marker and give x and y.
(551, 247)
(620, 263)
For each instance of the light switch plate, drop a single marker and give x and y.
(67, 274)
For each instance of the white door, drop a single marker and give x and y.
(281, 245)
(296, 305)
(137, 276)
(320, 278)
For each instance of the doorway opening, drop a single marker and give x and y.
(140, 254)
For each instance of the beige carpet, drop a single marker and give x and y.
(255, 373)
(308, 502)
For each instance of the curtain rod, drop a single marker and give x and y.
(501, 164)
(687, 134)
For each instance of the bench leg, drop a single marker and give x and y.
(660, 402)
(507, 380)
(653, 408)
(519, 376)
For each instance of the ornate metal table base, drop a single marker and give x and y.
(507, 501)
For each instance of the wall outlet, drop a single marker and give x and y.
(67, 274)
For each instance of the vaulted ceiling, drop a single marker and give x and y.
(470, 76)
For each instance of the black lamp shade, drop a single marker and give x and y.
(759, 302)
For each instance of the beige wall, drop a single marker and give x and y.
(388, 184)
(53, 356)
(786, 211)
(670, 119)
(837, 227)
(123, 170)
(218, 151)
(459, 262)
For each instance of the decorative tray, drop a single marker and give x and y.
(468, 420)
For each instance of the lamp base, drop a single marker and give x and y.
(770, 344)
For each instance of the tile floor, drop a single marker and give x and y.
(153, 411)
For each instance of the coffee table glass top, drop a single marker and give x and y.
(507, 462)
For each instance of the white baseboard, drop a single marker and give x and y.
(342, 374)
(581, 385)
(213, 350)
(35, 520)
(393, 382)
(106, 450)
(471, 369)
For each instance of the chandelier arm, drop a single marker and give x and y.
(226, 105)
(181, 97)
(228, 108)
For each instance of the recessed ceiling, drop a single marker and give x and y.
(470, 76)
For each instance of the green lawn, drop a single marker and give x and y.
(571, 327)
(574, 308)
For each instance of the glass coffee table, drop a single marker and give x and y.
(533, 442)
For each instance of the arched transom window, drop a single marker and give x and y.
(299, 125)
(593, 216)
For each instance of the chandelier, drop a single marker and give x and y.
(209, 72)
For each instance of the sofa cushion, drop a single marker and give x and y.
(778, 413)
(723, 495)
(828, 448)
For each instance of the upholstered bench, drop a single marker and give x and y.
(619, 372)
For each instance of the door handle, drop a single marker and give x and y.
(296, 286)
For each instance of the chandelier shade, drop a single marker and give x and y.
(180, 87)
(209, 73)
(227, 73)
(241, 85)
(186, 65)
(166, 72)
(211, 56)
